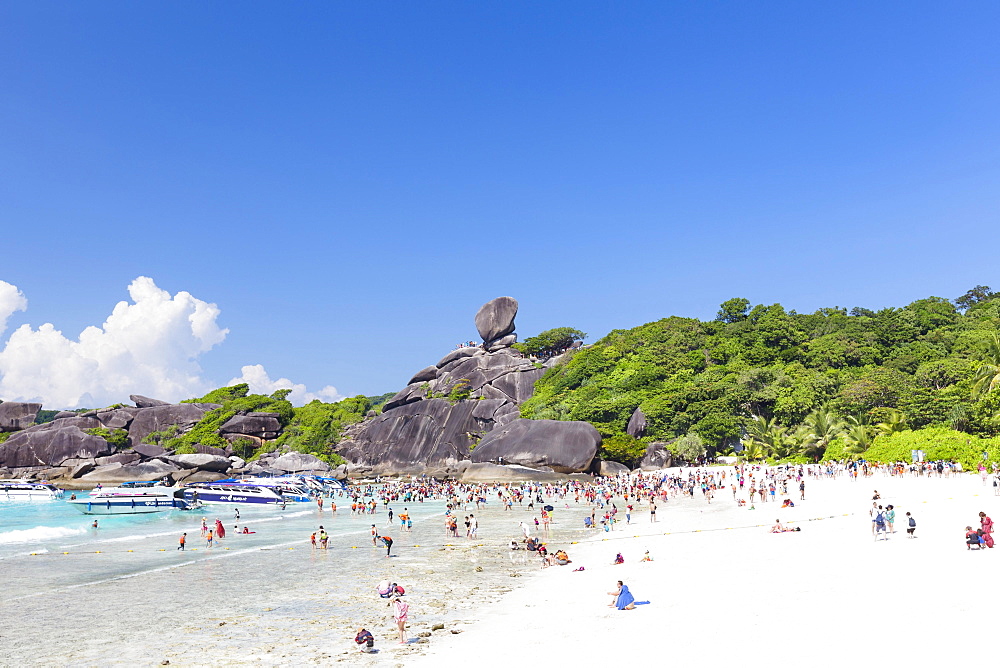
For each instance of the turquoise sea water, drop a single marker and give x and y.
(251, 594)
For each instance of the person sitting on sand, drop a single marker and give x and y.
(623, 598)
(365, 640)
(619, 559)
(971, 538)
(646, 557)
(787, 503)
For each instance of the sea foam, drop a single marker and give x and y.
(37, 534)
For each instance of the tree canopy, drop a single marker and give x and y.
(803, 381)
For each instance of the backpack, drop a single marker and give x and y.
(913, 522)
(880, 519)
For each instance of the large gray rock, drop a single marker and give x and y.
(457, 354)
(203, 462)
(611, 469)
(495, 319)
(256, 425)
(149, 451)
(145, 402)
(45, 445)
(15, 415)
(117, 473)
(636, 424)
(294, 462)
(657, 457)
(161, 417)
(485, 472)
(566, 447)
(433, 433)
(409, 394)
(119, 458)
(425, 374)
(116, 418)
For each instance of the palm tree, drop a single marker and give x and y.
(818, 429)
(859, 435)
(767, 432)
(893, 424)
(753, 450)
(987, 376)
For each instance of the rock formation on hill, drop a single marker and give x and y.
(75, 444)
(434, 423)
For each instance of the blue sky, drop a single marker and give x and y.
(348, 182)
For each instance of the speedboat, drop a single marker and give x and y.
(26, 490)
(236, 491)
(132, 498)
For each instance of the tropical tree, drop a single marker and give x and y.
(753, 450)
(689, 447)
(767, 432)
(987, 376)
(859, 435)
(818, 429)
(894, 423)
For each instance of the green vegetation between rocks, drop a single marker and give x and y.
(791, 386)
(312, 429)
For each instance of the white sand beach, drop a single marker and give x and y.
(824, 596)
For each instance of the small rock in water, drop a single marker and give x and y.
(437, 627)
(479, 569)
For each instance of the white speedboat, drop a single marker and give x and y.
(241, 491)
(26, 490)
(131, 498)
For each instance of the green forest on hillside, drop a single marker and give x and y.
(789, 385)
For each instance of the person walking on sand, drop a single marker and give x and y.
(204, 526)
(375, 536)
(473, 526)
(911, 526)
(209, 539)
(182, 542)
(652, 510)
(401, 613)
(389, 521)
(802, 491)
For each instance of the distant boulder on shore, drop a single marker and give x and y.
(565, 447)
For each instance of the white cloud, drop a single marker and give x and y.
(257, 378)
(11, 300)
(149, 346)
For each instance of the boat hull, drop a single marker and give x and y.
(127, 506)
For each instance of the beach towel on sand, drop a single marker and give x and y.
(624, 598)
